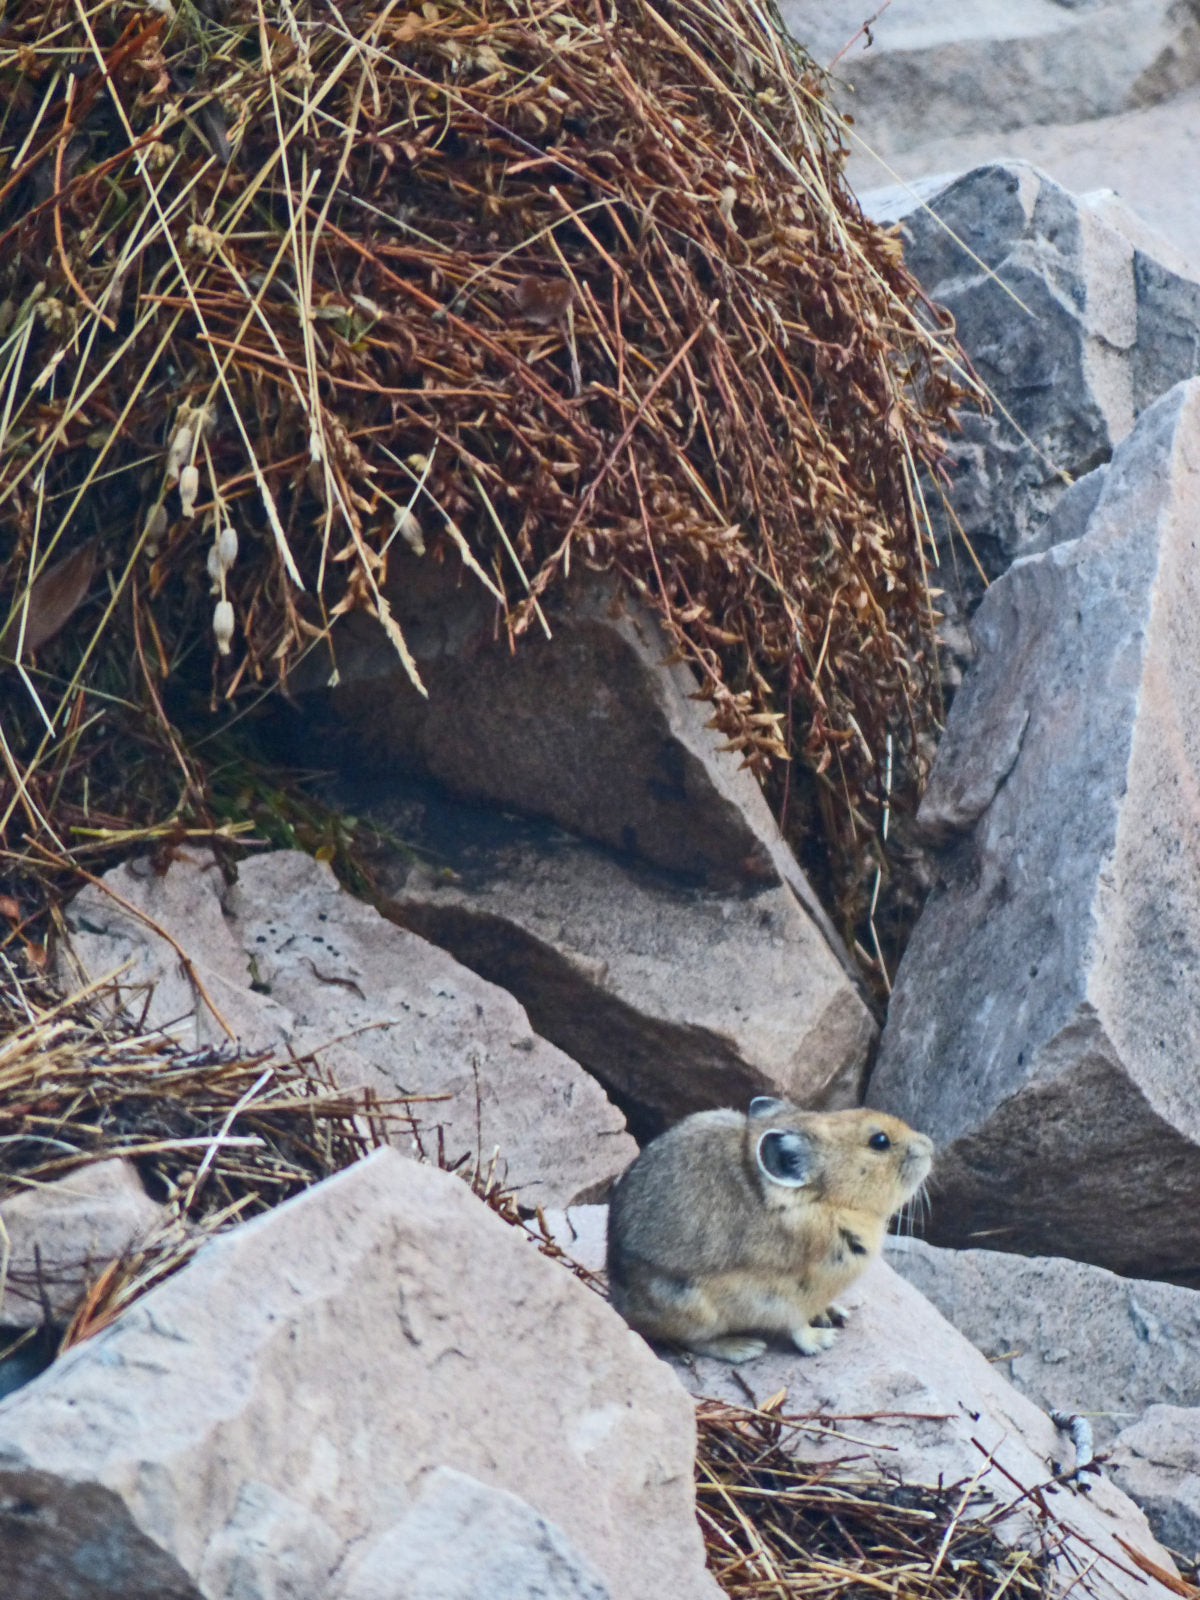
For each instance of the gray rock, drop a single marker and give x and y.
(58, 1234)
(1071, 321)
(276, 1407)
(290, 960)
(1139, 154)
(676, 997)
(1045, 1022)
(461, 1540)
(1071, 1337)
(1157, 1463)
(903, 1393)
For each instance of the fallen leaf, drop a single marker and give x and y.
(543, 300)
(53, 600)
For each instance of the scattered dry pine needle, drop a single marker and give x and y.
(778, 1527)
(292, 295)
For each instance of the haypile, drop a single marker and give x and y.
(527, 284)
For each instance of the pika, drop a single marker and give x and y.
(730, 1225)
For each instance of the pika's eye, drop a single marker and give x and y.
(880, 1141)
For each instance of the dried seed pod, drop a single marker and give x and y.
(227, 546)
(215, 570)
(223, 625)
(189, 488)
(178, 452)
(409, 529)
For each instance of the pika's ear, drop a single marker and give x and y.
(785, 1157)
(765, 1105)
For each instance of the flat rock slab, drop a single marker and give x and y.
(279, 1405)
(1045, 1023)
(58, 1234)
(1071, 1337)
(903, 1392)
(597, 728)
(675, 996)
(996, 64)
(288, 958)
(1074, 316)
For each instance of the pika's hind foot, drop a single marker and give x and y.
(735, 1349)
(810, 1340)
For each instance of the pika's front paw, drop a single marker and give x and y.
(811, 1341)
(735, 1349)
(837, 1314)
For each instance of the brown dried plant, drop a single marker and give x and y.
(532, 286)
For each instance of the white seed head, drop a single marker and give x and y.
(223, 625)
(189, 488)
(215, 571)
(204, 240)
(226, 547)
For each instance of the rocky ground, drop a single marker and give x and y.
(379, 1389)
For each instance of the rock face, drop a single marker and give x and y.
(1157, 1461)
(903, 1392)
(288, 958)
(677, 997)
(1074, 317)
(284, 1399)
(58, 1234)
(1046, 1019)
(1071, 1337)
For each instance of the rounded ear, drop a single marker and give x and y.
(765, 1105)
(785, 1157)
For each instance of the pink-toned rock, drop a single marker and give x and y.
(582, 1233)
(1070, 1336)
(903, 1391)
(289, 959)
(278, 1405)
(677, 998)
(59, 1233)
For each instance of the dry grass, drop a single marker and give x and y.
(215, 1135)
(778, 1527)
(523, 285)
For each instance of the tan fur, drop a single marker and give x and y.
(708, 1250)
